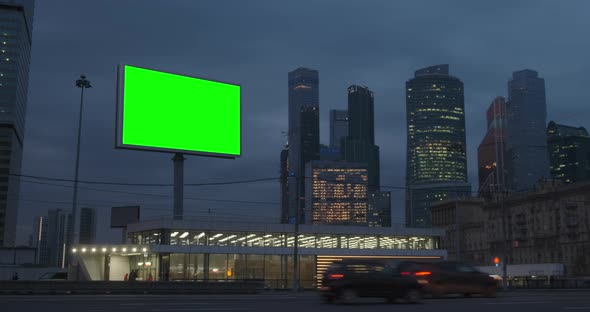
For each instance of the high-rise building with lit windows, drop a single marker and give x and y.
(569, 153)
(379, 209)
(436, 163)
(336, 193)
(16, 22)
(283, 180)
(492, 150)
(304, 133)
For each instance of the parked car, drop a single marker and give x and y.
(54, 276)
(346, 280)
(448, 277)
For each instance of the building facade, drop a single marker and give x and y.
(338, 127)
(87, 226)
(492, 150)
(569, 153)
(359, 145)
(54, 237)
(436, 162)
(336, 193)
(304, 133)
(549, 225)
(526, 140)
(379, 209)
(16, 18)
(226, 251)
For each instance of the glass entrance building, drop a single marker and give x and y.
(170, 250)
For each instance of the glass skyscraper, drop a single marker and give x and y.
(436, 164)
(569, 153)
(304, 133)
(16, 19)
(338, 127)
(526, 140)
(359, 145)
(491, 152)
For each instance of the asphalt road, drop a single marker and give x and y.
(285, 302)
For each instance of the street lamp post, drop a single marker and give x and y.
(81, 83)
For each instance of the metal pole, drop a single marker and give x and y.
(178, 160)
(77, 167)
(296, 238)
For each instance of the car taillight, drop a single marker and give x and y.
(406, 273)
(335, 276)
(424, 273)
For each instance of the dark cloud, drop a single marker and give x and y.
(255, 43)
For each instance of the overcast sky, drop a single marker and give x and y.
(255, 43)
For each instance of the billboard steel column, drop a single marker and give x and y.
(178, 160)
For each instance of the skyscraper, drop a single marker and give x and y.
(359, 145)
(569, 153)
(491, 151)
(87, 226)
(53, 234)
(304, 133)
(338, 127)
(336, 193)
(436, 154)
(526, 138)
(16, 21)
(379, 209)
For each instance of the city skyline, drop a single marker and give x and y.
(261, 68)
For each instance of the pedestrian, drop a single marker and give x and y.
(126, 277)
(150, 277)
(15, 276)
(133, 275)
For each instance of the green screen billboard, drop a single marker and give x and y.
(167, 112)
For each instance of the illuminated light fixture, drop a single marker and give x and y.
(267, 235)
(144, 250)
(251, 235)
(114, 249)
(185, 234)
(124, 249)
(174, 234)
(148, 263)
(156, 234)
(217, 235)
(201, 235)
(93, 249)
(140, 263)
(74, 250)
(104, 249)
(83, 249)
(134, 249)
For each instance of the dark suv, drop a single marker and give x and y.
(448, 277)
(346, 280)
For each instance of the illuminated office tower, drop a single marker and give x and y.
(336, 193)
(436, 163)
(569, 153)
(304, 133)
(16, 21)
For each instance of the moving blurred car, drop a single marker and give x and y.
(347, 280)
(448, 277)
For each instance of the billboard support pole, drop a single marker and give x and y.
(178, 161)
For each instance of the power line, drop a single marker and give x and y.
(156, 195)
(143, 184)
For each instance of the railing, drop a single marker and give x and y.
(118, 287)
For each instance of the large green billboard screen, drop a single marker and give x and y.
(174, 113)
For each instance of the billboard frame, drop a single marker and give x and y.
(119, 106)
